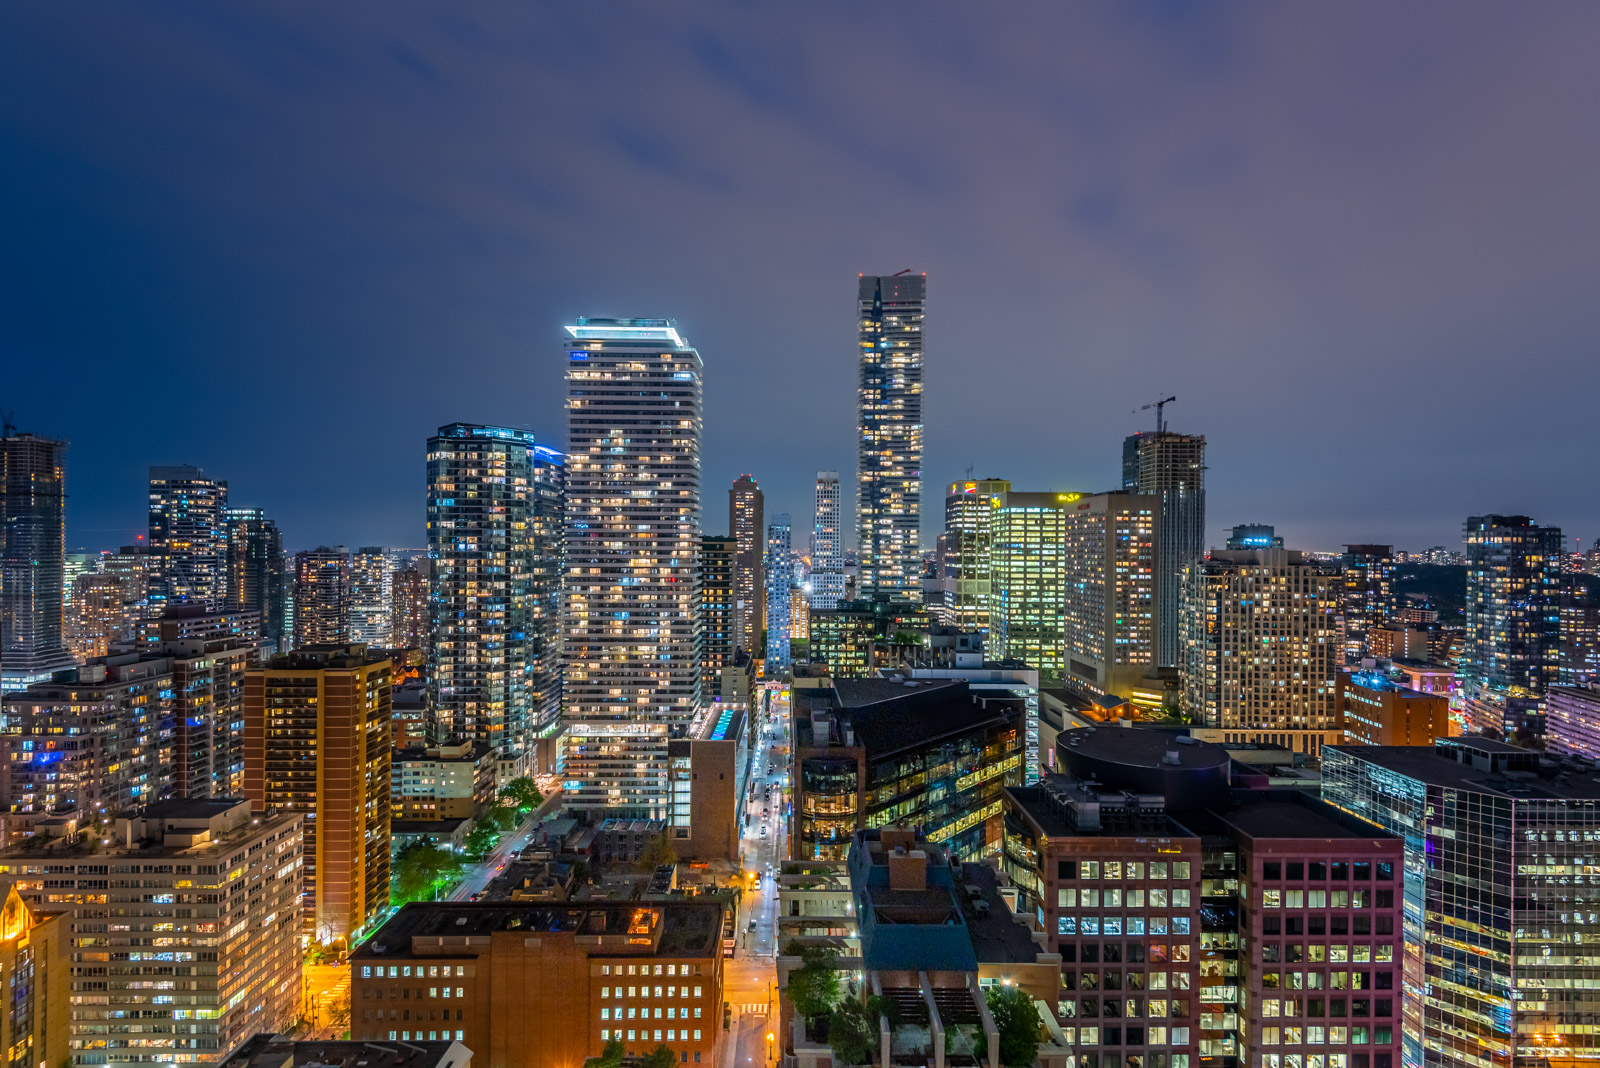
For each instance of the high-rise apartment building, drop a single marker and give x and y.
(780, 576)
(322, 596)
(632, 598)
(99, 615)
(1580, 629)
(1172, 467)
(184, 930)
(1027, 579)
(189, 537)
(487, 650)
(827, 544)
(1263, 649)
(32, 559)
(318, 742)
(548, 525)
(35, 959)
(716, 611)
(1495, 918)
(98, 741)
(746, 522)
(1513, 605)
(1112, 612)
(371, 596)
(889, 321)
(1368, 595)
(255, 573)
(968, 533)
(408, 612)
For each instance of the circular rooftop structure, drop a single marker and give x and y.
(1188, 772)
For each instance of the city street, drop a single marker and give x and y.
(750, 982)
(479, 876)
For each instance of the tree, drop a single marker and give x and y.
(853, 1029)
(659, 851)
(481, 839)
(420, 870)
(503, 817)
(1017, 1020)
(660, 1057)
(814, 986)
(610, 1057)
(521, 794)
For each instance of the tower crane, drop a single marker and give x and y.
(1161, 424)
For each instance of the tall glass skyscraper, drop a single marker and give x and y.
(480, 547)
(548, 527)
(968, 533)
(371, 596)
(255, 573)
(1173, 467)
(827, 545)
(189, 537)
(889, 319)
(1513, 603)
(32, 559)
(780, 576)
(632, 598)
(746, 511)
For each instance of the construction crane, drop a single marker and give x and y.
(1161, 424)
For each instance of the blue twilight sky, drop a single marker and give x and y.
(1361, 243)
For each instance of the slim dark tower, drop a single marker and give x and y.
(255, 578)
(32, 559)
(1172, 467)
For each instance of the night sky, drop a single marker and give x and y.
(1360, 243)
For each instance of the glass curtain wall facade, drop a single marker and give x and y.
(889, 321)
(189, 537)
(780, 575)
(1028, 561)
(1368, 598)
(1513, 610)
(827, 544)
(631, 617)
(1172, 467)
(32, 559)
(968, 533)
(255, 573)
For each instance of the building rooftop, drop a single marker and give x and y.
(276, 1051)
(1282, 817)
(888, 716)
(686, 929)
(1484, 766)
(1136, 747)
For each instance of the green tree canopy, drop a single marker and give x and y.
(421, 870)
(610, 1057)
(521, 794)
(814, 986)
(481, 839)
(659, 851)
(1017, 1020)
(853, 1029)
(660, 1057)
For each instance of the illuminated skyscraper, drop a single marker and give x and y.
(889, 315)
(409, 609)
(1028, 575)
(746, 524)
(481, 491)
(780, 576)
(322, 596)
(632, 599)
(1512, 652)
(371, 593)
(1368, 595)
(189, 537)
(547, 526)
(1172, 467)
(968, 518)
(716, 611)
(32, 559)
(254, 572)
(827, 546)
(1112, 615)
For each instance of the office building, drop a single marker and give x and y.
(96, 740)
(933, 753)
(889, 321)
(1513, 612)
(481, 490)
(746, 522)
(780, 576)
(1028, 578)
(321, 596)
(276, 1051)
(1572, 720)
(184, 931)
(443, 782)
(37, 966)
(953, 655)
(318, 742)
(408, 610)
(632, 597)
(188, 537)
(493, 976)
(32, 559)
(827, 543)
(1494, 911)
(1194, 926)
(968, 534)
(371, 596)
(1368, 596)
(799, 617)
(1172, 467)
(716, 611)
(256, 580)
(856, 638)
(1254, 536)
(710, 772)
(1111, 613)
(1263, 649)
(1378, 710)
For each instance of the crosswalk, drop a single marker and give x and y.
(752, 1008)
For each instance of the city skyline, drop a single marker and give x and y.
(1279, 244)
